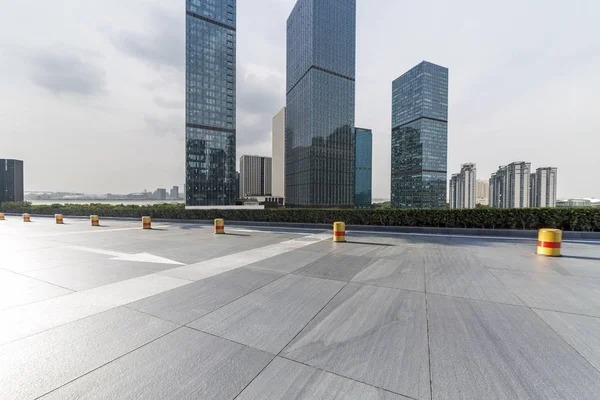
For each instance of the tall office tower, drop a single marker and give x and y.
(545, 187)
(509, 186)
(278, 153)
(463, 187)
(420, 137)
(364, 167)
(174, 193)
(483, 193)
(210, 102)
(319, 137)
(255, 176)
(11, 180)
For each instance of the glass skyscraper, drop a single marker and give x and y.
(420, 137)
(321, 64)
(210, 102)
(364, 165)
(11, 180)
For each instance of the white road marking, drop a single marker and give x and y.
(92, 231)
(140, 257)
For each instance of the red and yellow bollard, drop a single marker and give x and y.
(26, 218)
(549, 242)
(219, 226)
(146, 223)
(339, 232)
(95, 220)
(59, 219)
(2, 217)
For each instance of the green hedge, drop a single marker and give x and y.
(568, 219)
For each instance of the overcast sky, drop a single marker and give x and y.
(92, 92)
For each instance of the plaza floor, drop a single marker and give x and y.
(117, 312)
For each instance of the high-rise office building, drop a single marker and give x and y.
(319, 121)
(509, 186)
(174, 193)
(544, 194)
(483, 193)
(160, 194)
(278, 153)
(11, 180)
(463, 187)
(210, 102)
(255, 176)
(364, 167)
(420, 137)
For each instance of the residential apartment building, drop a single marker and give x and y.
(210, 102)
(255, 176)
(544, 187)
(510, 185)
(320, 101)
(463, 187)
(482, 196)
(420, 138)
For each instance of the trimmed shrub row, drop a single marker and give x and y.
(585, 219)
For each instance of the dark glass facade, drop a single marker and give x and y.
(11, 180)
(364, 165)
(210, 102)
(319, 142)
(420, 137)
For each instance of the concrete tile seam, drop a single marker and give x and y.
(565, 340)
(347, 377)
(105, 364)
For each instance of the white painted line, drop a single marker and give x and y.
(219, 265)
(30, 319)
(92, 231)
(140, 257)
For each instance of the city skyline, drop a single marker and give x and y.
(137, 97)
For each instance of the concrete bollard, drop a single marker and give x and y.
(59, 219)
(26, 218)
(549, 242)
(146, 223)
(2, 217)
(339, 232)
(95, 220)
(219, 226)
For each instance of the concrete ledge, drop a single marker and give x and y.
(500, 233)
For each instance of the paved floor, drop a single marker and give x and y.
(178, 313)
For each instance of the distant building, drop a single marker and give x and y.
(11, 180)
(509, 186)
(320, 103)
(574, 203)
(278, 143)
(174, 193)
(544, 187)
(210, 102)
(420, 138)
(160, 194)
(532, 189)
(255, 176)
(364, 167)
(482, 196)
(463, 187)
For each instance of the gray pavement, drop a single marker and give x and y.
(116, 312)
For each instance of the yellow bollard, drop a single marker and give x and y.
(59, 219)
(219, 226)
(549, 242)
(146, 223)
(2, 217)
(95, 220)
(339, 232)
(26, 218)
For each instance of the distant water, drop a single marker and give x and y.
(113, 202)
